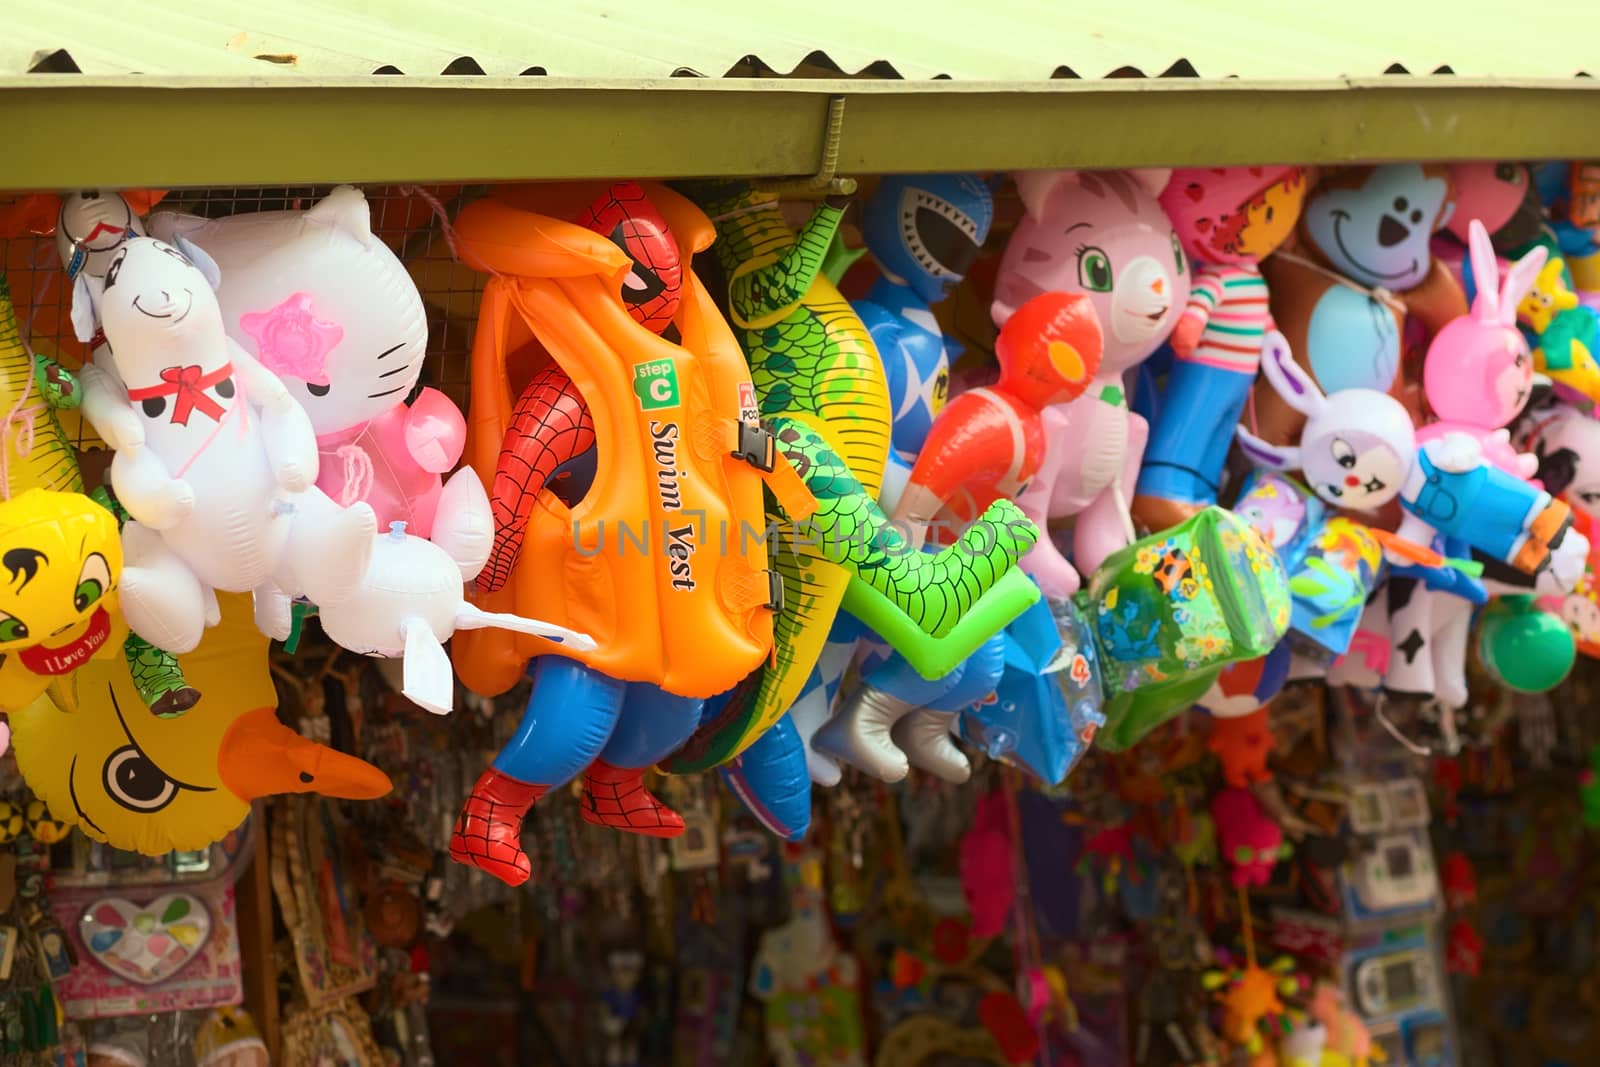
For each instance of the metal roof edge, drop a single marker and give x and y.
(254, 131)
(807, 86)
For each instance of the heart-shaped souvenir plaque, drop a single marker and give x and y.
(145, 943)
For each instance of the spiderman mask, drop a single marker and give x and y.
(653, 290)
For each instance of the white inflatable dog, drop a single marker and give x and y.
(221, 489)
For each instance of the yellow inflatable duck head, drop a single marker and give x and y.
(60, 560)
(148, 784)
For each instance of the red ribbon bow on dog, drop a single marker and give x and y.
(187, 386)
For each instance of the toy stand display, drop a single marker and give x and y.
(1003, 606)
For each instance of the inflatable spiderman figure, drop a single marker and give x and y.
(577, 719)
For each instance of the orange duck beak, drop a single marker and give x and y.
(260, 757)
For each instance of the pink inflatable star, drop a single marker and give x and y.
(291, 341)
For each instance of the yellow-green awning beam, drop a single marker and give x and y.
(70, 131)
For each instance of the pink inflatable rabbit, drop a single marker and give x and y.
(1477, 376)
(1478, 371)
(1103, 234)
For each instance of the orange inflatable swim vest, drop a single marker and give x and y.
(662, 560)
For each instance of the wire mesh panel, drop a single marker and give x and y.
(410, 220)
(404, 217)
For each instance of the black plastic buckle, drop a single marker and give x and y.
(774, 591)
(757, 446)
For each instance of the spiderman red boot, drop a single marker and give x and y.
(570, 715)
(616, 797)
(652, 726)
(488, 832)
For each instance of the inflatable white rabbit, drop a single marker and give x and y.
(1359, 450)
(221, 488)
(1358, 446)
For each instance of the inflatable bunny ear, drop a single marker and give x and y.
(1485, 275)
(1288, 380)
(1264, 454)
(1519, 280)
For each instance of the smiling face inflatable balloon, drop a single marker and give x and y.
(1361, 286)
(1374, 225)
(148, 784)
(1502, 196)
(60, 560)
(90, 226)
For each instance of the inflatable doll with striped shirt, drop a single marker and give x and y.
(1228, 219)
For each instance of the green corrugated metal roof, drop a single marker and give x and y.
(979, 40)
(237, 92)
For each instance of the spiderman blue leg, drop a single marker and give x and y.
(571, 713)
(652, 725)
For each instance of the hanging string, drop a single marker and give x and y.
(1381, 714)
(1185, 827)
(1249, 933)
(1029, 960)
(1378, 294)
(21, 418)
(241, 400)
(37, 263)
(445, 227)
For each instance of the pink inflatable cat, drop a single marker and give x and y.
(1103, 234)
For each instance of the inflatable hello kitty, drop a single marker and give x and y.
(326, 306)
(221, 489)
